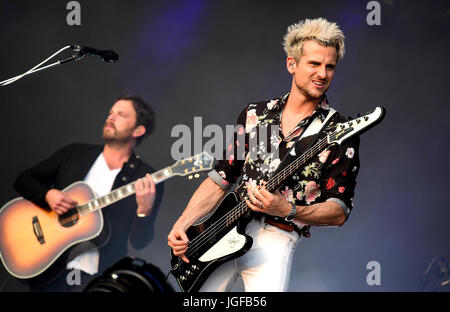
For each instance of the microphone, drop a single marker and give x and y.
(106, 55)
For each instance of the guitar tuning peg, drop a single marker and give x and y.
(190, 177)
(196, 175)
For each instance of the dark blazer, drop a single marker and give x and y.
(71, 164)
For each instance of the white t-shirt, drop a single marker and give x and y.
(101, 179)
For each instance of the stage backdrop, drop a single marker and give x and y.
(209, 59)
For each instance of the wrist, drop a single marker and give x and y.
(48, 194)
(180, 225)
(292, 213)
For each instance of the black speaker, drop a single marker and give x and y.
(130, 275)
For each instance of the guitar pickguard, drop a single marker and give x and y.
(230, 243)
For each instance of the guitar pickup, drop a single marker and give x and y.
(38, 230)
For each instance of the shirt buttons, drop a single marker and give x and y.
(132, 166)
(124, 179)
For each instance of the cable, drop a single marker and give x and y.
(9, 81)
(4, 283)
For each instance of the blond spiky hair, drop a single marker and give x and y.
(320, 30)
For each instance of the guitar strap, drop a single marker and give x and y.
(315, 128)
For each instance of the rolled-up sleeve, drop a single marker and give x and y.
(216, 177)
(339, 178)
(228, 169)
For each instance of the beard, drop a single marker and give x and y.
(112, 136)
(310, 92)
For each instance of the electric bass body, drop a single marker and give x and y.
(214, 241)
(222, 237)
(33, 238)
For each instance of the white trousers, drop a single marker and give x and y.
(265, 267)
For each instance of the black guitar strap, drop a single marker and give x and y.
(315, 128)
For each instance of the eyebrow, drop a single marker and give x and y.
(314, 61)
(119, 112)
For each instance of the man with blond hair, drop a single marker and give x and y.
(318, 194)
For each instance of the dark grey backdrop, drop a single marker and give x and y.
(209, 58)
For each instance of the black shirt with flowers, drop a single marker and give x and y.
(259, 146)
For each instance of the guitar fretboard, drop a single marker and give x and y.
(278, 179)
(231, 217)
(339, 134)
(120, 193)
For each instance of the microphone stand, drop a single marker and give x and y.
(74, 57)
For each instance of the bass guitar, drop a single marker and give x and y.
(221, 236)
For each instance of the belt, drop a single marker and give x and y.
(283, 225)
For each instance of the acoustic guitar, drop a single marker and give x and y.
(33, 238)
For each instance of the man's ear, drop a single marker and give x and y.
(290, 64)
(139, 131)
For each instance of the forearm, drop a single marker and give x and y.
(325, 213)
(205, 198)
(35, 182)
(328, 213)
(32, 188)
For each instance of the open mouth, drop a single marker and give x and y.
(319, 84)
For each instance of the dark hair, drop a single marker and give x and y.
(145, 116)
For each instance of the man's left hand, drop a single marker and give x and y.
(145, 195)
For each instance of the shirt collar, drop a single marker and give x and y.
(322, 109)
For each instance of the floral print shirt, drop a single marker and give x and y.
(329, 175)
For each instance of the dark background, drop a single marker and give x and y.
(209, 59)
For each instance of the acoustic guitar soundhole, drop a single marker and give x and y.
(69, 218)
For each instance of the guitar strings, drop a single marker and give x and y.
(237, 211)
(276, 179)
(234, 211)
(205, 237)
(157, 176)
(284, 172)
(65, 221)
(84, 208)
(103, 201)
(123, 193)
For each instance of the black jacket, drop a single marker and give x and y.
(71, 164)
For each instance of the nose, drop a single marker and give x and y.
(110, 117)
(322, 72)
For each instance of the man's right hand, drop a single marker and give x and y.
(59, 202)
(205, 198)
(178, 241)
